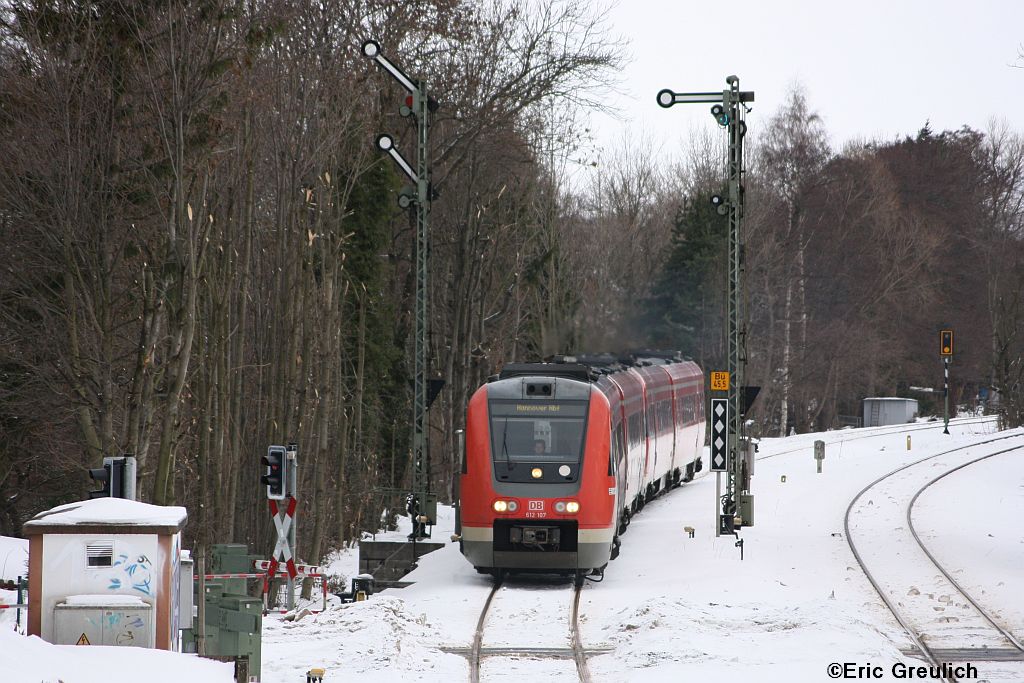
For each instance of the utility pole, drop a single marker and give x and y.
(734, 454)
(419, 105)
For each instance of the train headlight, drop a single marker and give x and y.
(560, 506)
(513, 506)
(500, 506)
(536, 473)
(572, 507)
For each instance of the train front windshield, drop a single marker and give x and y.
(536, 431)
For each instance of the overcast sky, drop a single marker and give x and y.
(869, 68)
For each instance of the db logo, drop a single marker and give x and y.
(536, 505)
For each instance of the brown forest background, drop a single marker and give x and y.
(202, 253)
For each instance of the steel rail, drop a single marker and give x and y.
(574, 638)
(914, 635)
(910, 522)
(478, 635)
(909, 427)
(579, 653)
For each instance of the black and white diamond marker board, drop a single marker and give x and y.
(719, 434)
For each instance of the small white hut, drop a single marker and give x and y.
(105, 572)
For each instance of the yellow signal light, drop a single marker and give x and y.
(946, 342)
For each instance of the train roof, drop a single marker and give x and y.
(575, 371)
(591, 367)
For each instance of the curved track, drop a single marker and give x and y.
(910, 524)
(575, 651)
(905, 620)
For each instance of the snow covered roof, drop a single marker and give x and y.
(105, 600)
(889, 398)
(110, 515)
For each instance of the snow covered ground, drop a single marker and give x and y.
(671, 607)
(677, 608)
(31, 660)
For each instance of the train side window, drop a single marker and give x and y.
(634, 432)
(615, 451)
(665, 416)
(460, 440)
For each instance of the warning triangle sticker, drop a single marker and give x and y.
(82, 640)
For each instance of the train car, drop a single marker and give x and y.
(559, 456)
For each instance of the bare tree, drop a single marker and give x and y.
(792, 153)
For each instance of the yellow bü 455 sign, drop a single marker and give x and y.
(719, 381)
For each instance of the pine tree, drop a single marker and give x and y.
(686, 310)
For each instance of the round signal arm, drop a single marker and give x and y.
(371, 48)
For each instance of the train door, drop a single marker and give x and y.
(652, 438)
(669, 426)
(618, 464)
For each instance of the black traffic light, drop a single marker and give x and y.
(102, 477)
(275, 474)
(946, 343)
(111, 477)
(720, 114)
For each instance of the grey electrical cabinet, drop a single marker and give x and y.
(89, 622)
(186, 607)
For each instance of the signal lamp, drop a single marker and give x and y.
(275, 473)
(536, 473)
(513, 506)
(718, 111)
(560, 506)
(500, 506)
(101, 475)
(572, 507)
(946, 342)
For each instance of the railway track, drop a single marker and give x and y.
(959, 628)
(550, 612)
(857, 434)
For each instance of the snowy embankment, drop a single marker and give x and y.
(678, 608)
(31, 660)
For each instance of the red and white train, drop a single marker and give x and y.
(559, 456)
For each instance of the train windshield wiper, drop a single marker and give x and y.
(504, 446)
